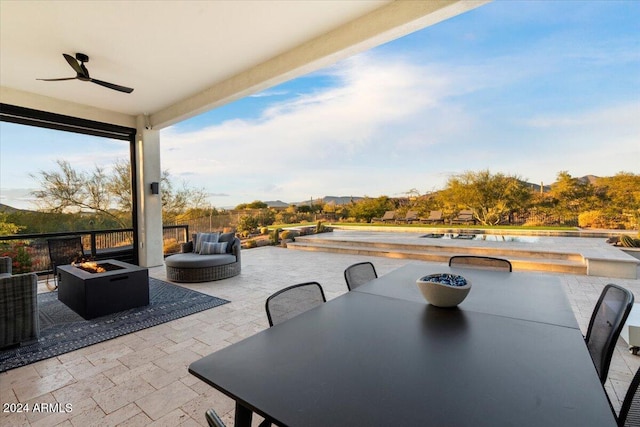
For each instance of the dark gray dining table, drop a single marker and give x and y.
(380, 356)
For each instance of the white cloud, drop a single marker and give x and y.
(268, 93)
(389, 124)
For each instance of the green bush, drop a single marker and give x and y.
(592, 219)
(247, 223)
(251, 243)
(289, 234)
(20, 256)
(170, 246)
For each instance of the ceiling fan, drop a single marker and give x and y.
(77, 64)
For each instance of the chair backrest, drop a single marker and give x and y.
(213, 419)
(359, 274)
(465, 214)
(6, 266)
(389, 215)
(630, 411)
(480, 262)
(607, 320)
(435, 216)
(411, 216)
(293, 300)
(64, 251)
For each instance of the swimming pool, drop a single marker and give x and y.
(484, 237)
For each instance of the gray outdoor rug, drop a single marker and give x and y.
(62, 330)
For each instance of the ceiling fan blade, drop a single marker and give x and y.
(58, 80)
(74, 64)
(112, 86)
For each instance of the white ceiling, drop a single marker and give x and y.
(185, 57)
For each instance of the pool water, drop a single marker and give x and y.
(485, 237)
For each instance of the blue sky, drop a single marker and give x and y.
(522, 88)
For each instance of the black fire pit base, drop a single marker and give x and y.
(123, 286)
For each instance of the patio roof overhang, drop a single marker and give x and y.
(185, 58)
(182, 58)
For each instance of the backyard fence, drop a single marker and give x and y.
(30, 252)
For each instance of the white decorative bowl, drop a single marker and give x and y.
(444, 289)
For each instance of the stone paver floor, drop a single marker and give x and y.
(141, 379)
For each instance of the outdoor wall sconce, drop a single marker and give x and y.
(155, 188)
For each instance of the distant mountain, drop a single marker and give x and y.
(536, 187)
(591, 179)
(10, 209)
(277, 204)
(336, 200)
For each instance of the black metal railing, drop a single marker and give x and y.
(30, 252)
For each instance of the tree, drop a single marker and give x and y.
(570, 196)
(368, 208)
(256, 204)
(622, 191)
(619, 198)
(491, 197)
(6, 227)
(108, 194)
(120, 185)
(68, 190)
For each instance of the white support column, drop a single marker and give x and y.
(147, 149)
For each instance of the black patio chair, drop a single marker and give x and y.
(63, 251)
(480, 262)
(359, 274)
(293, 300)
(607, 321)
(630, 411)
(214, 420)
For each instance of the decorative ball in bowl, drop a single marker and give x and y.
(444, 289)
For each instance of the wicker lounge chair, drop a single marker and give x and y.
(194, 264)
(411, 216)
(464, 217)
(389, 216)
(433, 218)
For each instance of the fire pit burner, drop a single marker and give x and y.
(94, 267)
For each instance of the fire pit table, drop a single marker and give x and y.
(98, 288)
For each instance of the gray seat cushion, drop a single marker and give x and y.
(194, 260)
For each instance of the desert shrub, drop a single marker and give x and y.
(289, 234)
(247, 223)
(592, 219)
(20, 256)
(251, 243)
(600, 219)
(264, 230)
(170, 246)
